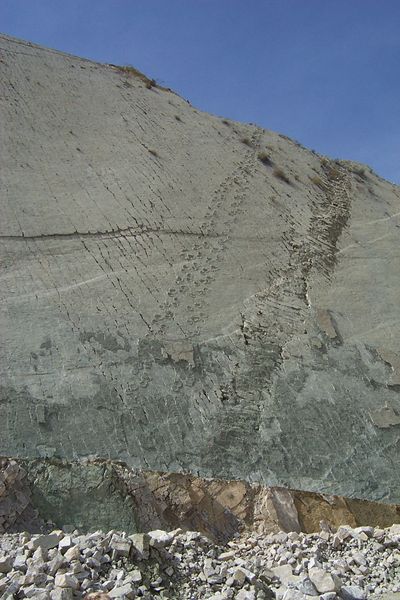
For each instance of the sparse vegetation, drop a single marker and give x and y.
(299, 144)
(318, 182)
(360, 172)
(332, 171)
(280, 174)
(247, 141)
(131, 71)
(264, 158)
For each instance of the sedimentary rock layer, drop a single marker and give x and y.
(105, 495)
(186, 293)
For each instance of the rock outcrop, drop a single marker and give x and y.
(184, 293)
(106, 495)
(16, 507)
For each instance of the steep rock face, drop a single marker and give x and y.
(185, 293)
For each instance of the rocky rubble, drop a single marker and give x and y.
(347, 564)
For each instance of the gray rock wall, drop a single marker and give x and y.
(171, 300)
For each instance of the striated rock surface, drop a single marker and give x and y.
(188, 294)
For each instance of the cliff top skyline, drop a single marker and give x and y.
(322, 73)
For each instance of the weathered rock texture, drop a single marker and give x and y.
(17, 511)
(103, 494)
(185, 293)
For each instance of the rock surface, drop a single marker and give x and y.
(189, 294)
(16, 506)
(188, 566)
(102, 494)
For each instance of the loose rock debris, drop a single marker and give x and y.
(347, 564)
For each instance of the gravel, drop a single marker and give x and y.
(347, 564)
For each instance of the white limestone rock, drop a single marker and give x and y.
(66, 580)
(322, 580)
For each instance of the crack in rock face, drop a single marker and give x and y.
(182, 301)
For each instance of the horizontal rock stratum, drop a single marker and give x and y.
(185, 293)
(103, 494)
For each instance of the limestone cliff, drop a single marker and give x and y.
(189, 294)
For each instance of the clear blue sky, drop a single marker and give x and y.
(325, 72)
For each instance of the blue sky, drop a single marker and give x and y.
(325, 72)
